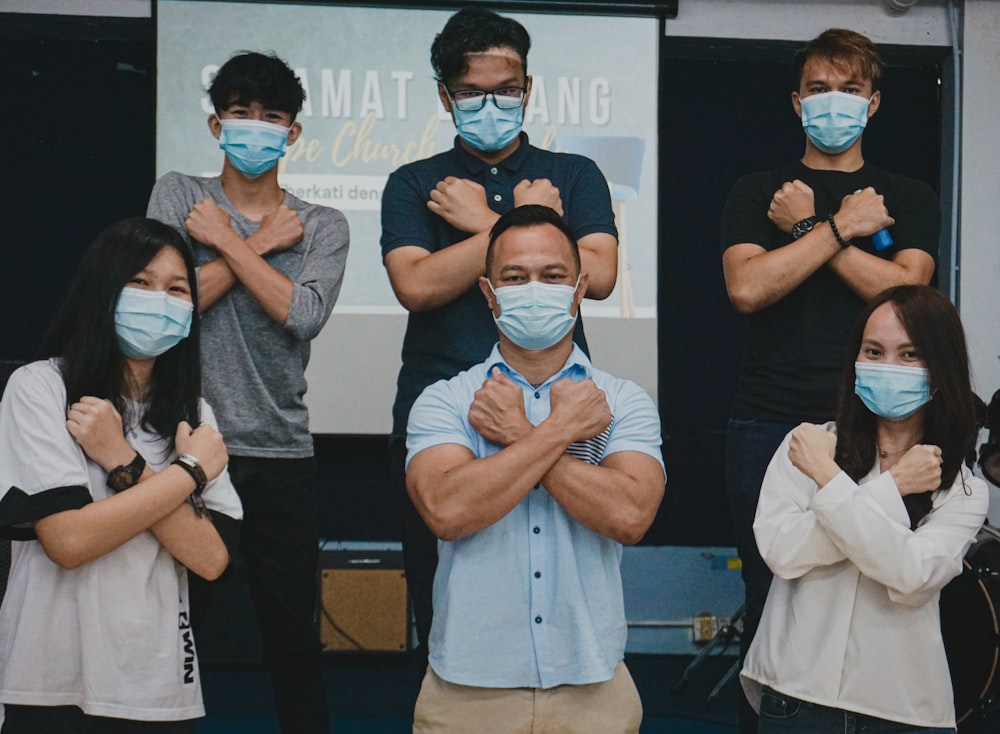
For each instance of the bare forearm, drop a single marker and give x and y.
(868, 275)
(75, 537)
(756, 278)
(425, 280)
(462, 498)
(605, 499)
(193, 541)
(214, 281)
(599, 259)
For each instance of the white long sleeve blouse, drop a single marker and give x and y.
(851, 620)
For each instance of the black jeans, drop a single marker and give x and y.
(71, 720)
(749, 448)
(419, 547)
(782, 714)
(279, 542)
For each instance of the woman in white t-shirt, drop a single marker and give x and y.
(112, 486)
(863, 521)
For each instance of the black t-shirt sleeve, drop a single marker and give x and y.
(917, 212)
(744, 218)
(18, 509)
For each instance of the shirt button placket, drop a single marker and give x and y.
(537, 547)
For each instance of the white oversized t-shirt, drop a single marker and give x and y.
(112, 636)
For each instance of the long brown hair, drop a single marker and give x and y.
(933, 325)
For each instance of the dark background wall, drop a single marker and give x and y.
(725, 110)
(80, 126)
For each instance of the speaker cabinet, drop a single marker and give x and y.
(363, 602)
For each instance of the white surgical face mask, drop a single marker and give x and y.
(148, 323)
(535, 315)
(489, 129)
(891, 391)
(834, 120)
(253, 146)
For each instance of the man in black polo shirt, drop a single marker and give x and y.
(803, 248)
(436, 218)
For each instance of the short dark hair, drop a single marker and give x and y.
(843, 47)
(933, 325)
(531, 215)
(473, 30)
(82, 336)
(250, 77)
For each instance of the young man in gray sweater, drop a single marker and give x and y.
(270, 269)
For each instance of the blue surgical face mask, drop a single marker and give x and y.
(489, 129)
(535, 315)
(148, 323)
(253, 146)
(891, 391)
(834, 120)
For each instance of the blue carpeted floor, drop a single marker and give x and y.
(375, 694)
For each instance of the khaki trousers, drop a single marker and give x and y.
(611, 707)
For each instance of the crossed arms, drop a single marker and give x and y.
(425, 280)
(458, 494)
(757, 278)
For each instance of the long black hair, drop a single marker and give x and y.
(82, 336)
(934, 328)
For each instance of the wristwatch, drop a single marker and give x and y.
(126, 475)
(190, 464)
(804, 226)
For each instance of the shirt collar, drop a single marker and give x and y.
(576, 365)
(513, 162)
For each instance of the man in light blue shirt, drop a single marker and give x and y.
(532, 468)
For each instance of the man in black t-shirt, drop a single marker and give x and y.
(804, 246)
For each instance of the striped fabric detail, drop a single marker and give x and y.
(591, 450)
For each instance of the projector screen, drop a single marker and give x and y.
(372, 106)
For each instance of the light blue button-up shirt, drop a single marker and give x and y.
(534, 600)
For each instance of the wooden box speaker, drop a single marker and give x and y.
(363, 602)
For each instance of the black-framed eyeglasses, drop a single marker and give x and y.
(473, 100)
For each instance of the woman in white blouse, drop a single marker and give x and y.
(863, 521)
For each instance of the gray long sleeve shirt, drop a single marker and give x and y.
(253, 368)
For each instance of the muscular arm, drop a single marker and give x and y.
(757, 278)
(617, 498)
(868, 275)
(458, 494)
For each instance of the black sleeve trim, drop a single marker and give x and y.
(228, 529)
(18, 508)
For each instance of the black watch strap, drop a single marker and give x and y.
(804, 226)
(125, 476)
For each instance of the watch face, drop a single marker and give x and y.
(123, 477)
(120, 478)
(803, 227)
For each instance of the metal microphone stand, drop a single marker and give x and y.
(727, 633)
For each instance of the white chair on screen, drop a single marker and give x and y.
(620, 160)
